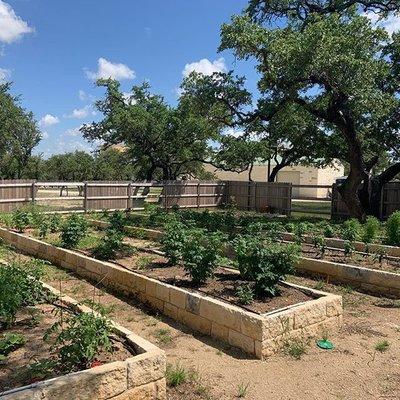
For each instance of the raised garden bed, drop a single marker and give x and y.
(135, 369)
(372, 278)
(259, 334)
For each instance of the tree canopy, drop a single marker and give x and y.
(160, 140)
(328, 67)
(19, 135)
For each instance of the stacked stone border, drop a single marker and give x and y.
(139, 377)
(367, 280)
(258, 335)
(392, 251)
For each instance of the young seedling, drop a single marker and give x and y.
(295, 348)
(176, 375)
(382, 346)
(163, 336)
(242, 390)
(245, 294)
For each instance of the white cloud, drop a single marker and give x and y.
(4, 75)
(232, 132)
(73, 131)
(107, 69)
(45, 135)
(82, 95)
(80, 113)
(49, 120)
(391, 23)
(127, 96)
(205, 67)
(12, 27)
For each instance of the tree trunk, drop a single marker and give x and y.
(274, 172)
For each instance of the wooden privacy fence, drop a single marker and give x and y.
(390, 202)
(263, 197)
(16, 193)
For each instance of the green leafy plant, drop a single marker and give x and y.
(108, 248)
(370, 230)
(20, 220)
(73, 230)
(319, 243)
(349, 247)
(351, 230)
(295, 348)
(163, 335)
(10, 342)
(40, 369)
(117, 221)
(329, 232)
(173, 241)
(265, 264)
(393, 229)
(54, 223)
(20, 287)
(200, 254)
(80, 338)
(379, 256)
(43, 228)
(245, 294)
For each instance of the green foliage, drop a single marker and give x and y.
(329, 231)
(173, 241)
(80, 337)
(176, 375)
(73, 230)
(349, 247)
(20, 286)
(43, 227)
(245, 294)
(55, 223)
(20, 219)
(393, 229)
(319, 242)
(242, 390)
(295, 348)
(163, 335)
(200, 254)
(370, 230)
(109, 246)
(10, 342)
(351, 230)
(40, 370)
(265, 264)
(117, 221)
(382, 346)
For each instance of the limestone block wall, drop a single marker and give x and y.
(258, 335)
(139, 377)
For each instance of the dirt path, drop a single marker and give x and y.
(354, 370)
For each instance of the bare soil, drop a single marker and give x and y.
(32, 323)
(354, 370)
(358, 259)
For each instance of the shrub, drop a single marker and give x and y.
(200, 254)
(351, 230)
(81, 338)
(20, 220)
(73, 230)
(43, 227)
(173, 241)
(319, 242)
(393, 229)
(265, 264)
(112, 243)
(55, 223)
(117, 221)
(329, 232)
(19, 287)
(370, 230)
(245, 294)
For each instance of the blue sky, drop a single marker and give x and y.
(53, 51)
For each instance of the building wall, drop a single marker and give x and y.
(297, 175)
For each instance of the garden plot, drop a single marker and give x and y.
(289, 310)
(374, 273)
(53, 347)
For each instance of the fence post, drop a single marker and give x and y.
(198, 195)
(85, 196)
(33, 192)
(165, 195)
(129, 193)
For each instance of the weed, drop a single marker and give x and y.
(163, 336)
(176, 375)
(320, 285)
(382, 346)
(144, 262)
(242, 390)
(295, 348)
